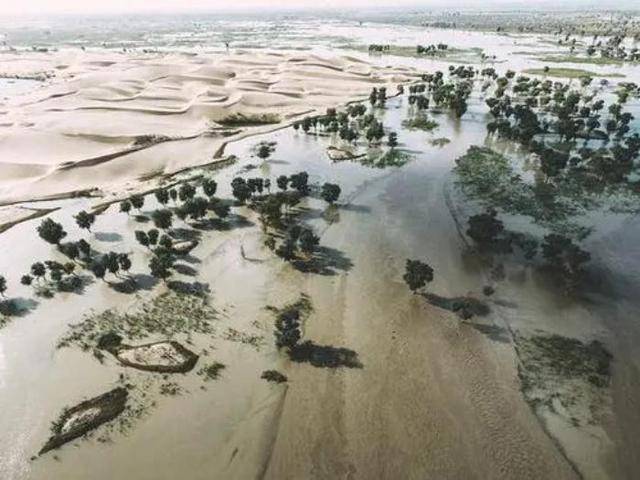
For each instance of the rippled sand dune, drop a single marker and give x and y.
(104, 119)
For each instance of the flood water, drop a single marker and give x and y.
(227, 428)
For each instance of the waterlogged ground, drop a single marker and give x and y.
(433, 398)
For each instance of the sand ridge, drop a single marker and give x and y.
(99, 105)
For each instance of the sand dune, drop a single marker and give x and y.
(98, 104)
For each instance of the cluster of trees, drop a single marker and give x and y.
(417, 97)
(187, 204)
(417, 274)
(539, 111)
(378, 97)
(265, 149)
(431, 49)
(611, 47)
(560, 253)
(444, 94)
(274, 209)
(49, 275)
(353, 123)
(299, 241)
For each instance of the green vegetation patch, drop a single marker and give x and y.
(488, 177)
(390, 158)
(569, 73)
(166, 316)
(242, 120)
(412, 51)
(580, 60)
(564, 376)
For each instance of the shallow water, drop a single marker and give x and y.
(388, 215)
(231, 428)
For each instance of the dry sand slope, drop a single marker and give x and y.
(106, 118)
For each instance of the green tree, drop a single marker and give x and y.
(186, 192)
(142, 238)
(137, 201)
(111, 262)
(282, 181)
(162, 218)
(162, 196)
(392, 139)
(84, 247)
(209, 187)
(196, 207)
(153, 236)
(125, 206)
(70, 250)
(417, 274)
(125, 262)
(308, 241)
(98, 269)
(222, 210)
(38, 270)
(85, 220)
(485, 228)
(330, 192)
(161, 265)
(299, 181)
(51, 232)
(240, 189)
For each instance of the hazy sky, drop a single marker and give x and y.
(12, 7)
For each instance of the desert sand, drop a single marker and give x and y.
(104, 120)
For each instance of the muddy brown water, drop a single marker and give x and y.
(434, 398)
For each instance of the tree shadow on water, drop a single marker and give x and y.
(134, 283)
(17, 307)
(324, 261)
(232, 222)
(352, 207)
(324, 356)
(108, 236)
(465, 307)
(185, 269)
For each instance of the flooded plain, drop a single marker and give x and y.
(429, 395)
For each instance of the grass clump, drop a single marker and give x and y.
(489, 177)
(288, 321)
(211, 371)
(166, 316)
(564, 376)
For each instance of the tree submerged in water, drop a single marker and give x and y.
(417, 274)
